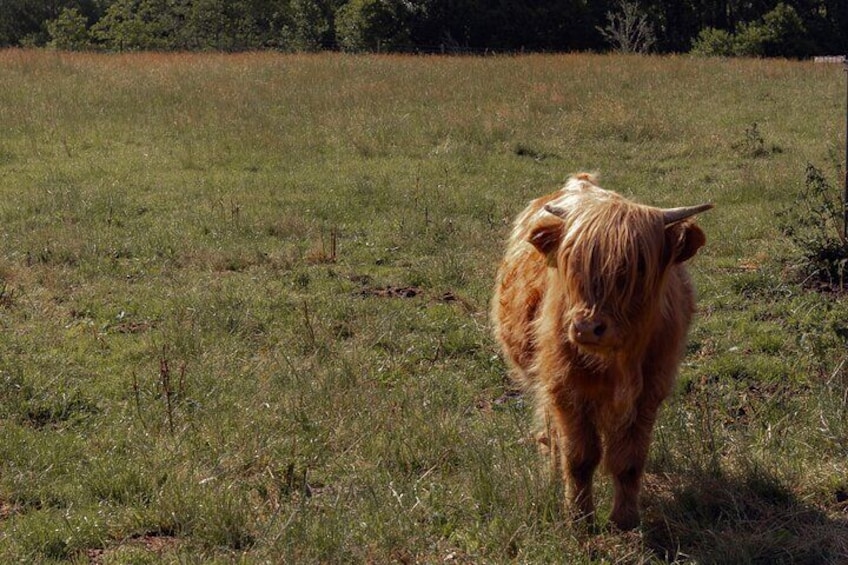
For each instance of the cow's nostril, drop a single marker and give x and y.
(590, 330)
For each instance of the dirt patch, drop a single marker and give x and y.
(6, 510)
(508, 397)
(392, 291)
(447, 297)
(152, 543)
(825, 286)
(132, 327)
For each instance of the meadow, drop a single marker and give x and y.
(244, 302)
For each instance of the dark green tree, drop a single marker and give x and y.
(501, 25)
(69, 31)
(795, 28)
(133, 25)
(826, 24)
(779, 33)
(311, 25)
(24, 22)
(232, 25)
(375, 25)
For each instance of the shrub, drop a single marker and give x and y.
(815, 224)
(712, 42)
(754, 145)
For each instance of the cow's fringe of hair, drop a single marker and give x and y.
(602, 236)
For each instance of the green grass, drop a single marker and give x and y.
(244, 307)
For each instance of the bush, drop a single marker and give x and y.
(754, 145)
(750, 40)
(815, 224)
(712, 42)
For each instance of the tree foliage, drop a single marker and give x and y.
(69, 31)
(374, 25)
(310, 25)
(787, 28)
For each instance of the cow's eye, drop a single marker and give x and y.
(621, 283)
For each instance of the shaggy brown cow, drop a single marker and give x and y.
(591, 307)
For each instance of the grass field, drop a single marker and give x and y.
(244, 307)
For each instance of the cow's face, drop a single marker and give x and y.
(610, 258)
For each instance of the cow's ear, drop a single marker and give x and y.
(684, 240)
(546, 235)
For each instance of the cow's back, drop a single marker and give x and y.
(519, 289)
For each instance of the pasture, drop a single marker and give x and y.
(244, 307)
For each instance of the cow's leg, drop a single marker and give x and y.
(548, 441)
(580, 454)
(626, 456)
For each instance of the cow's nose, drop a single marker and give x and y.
(589, 330)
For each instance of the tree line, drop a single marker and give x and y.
(781, 28)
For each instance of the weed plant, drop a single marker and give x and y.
(244, 307)
(815, 224)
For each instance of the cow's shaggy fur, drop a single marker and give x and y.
(591, 307)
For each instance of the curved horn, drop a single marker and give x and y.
(672, 215)
(556, 211)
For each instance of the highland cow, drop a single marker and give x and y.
(591, 307)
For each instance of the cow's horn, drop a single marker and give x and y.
(671, 215)
(556, 211)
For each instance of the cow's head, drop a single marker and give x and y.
(611, 257)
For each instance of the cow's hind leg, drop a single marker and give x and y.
(548, 441)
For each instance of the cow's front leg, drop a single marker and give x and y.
(580, 452)
(626, 456)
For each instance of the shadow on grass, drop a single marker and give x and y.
(718, 518)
